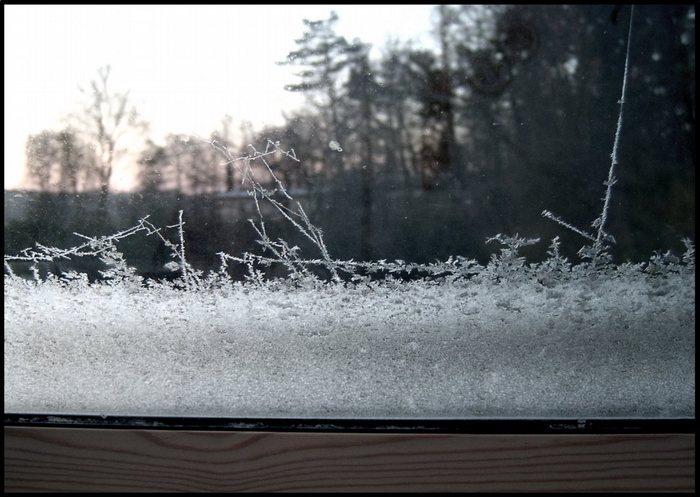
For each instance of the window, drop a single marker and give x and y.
(350, 212)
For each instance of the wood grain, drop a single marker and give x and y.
(102, 460)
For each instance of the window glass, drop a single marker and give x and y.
(350, 211)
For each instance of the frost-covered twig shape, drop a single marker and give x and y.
(298, 218)
(599, 223)
(104, 248)
(95, 247)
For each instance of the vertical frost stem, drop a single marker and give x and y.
(183, 263)
(613, 155)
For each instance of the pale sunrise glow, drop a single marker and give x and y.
(186, 66)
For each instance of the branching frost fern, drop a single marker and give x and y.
(598, 252)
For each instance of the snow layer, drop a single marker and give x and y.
(585, 349)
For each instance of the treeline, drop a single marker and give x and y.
(513, 112)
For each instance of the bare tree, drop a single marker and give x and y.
(107, 119)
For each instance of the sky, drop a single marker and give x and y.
(186, 66)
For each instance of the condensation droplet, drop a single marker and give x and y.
(334, 145)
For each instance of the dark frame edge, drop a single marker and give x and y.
(361, 425)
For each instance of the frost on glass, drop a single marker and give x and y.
(357, 339)
(305, 334)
